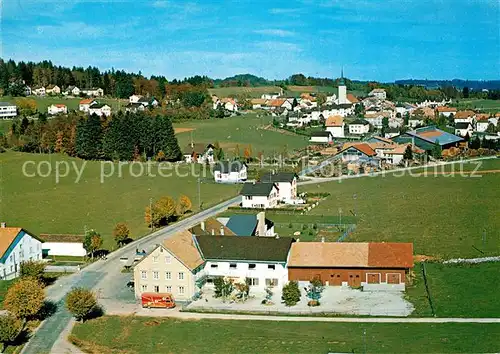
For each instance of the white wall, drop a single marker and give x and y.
(242, 270)
(233, 177)
(259, 201)
(28, 248)
(64, 249)
(8, 111)
(337, 132)
(358, 128)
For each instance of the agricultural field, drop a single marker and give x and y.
(445, 217)
(245, 130)
(72, 102)
(491, 106)
(463, 290)
(154, 335)
(42, 205)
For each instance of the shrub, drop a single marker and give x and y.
(25, 298)
(10, 327)
(33, 269)
(291, 293)
(81, 303)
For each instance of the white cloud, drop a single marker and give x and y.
(278, 46)
(275, 32)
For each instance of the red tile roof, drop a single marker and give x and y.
(87, 101)
(334, 121)
(352, 98)
(390, 255)
(442, 109)
(363, 147)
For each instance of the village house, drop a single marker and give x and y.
(71, 91)
(199, 152)
(58, 108)
(259, 195)
(135, 107)
(7, 110)
(272, 95)
(286, 183)
(375, 119)
(172, 267)
(483, 120)
(465, 117)
(378, 93)
(354, 152)
(359, 127)
(101, 109)
(322, 137)
(229, 104)
(463, 129)
(248, 225)
(279, 103)
(261, 260)
(85, 104)
(212, 226)
(415, 121)
(147, 102)
(446, 111)
(258, 103)
(63, 245)
(38, 91)
(52, 90)
(94, 91)
(230, 172)
(371, 266)
(134, 98)
(336, 126)
(17, 245)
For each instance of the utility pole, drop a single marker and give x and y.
(151, 213)
(340, 217)
(364, 339)
(199, 194)
(484, 238)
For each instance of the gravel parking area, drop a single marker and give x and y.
(334, 300)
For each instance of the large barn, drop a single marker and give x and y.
(373, 266)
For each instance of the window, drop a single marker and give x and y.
(144, 288)
(253, 281)
(232, 265)
(144, 274)
(155, 259)
(156, 275)
(168, 259)
(271, 266)
(272, 282)
(181, 290)
(168, 289)
(214, 265)
(251, 266)
(156, 288)
(181, 275)
(168, 275)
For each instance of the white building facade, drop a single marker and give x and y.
(7, 110)
(18, 246)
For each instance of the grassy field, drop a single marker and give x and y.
(492, 106)
(444, 217)
(43, 206)
(242, 130)
(467, 290)
(152, 335)
(43, 102)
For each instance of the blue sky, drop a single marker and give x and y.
(373, 40)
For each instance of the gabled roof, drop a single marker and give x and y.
(359, 122)
(198, 148)
(211, 224)
(62, 238)
(361, 147)
(464, 114)
(183, 247)
(229, 166)
(258, 249)
(99, 106)
(351, 254)
(462, 125)
(8, 236)
(482, 117)
(322, 134)
(352, 98)
(433, 134)
(275, 103)
(242, 224)
(278, 177)
(334, 121)
(87, 101)
(257, 189)
(443, 109)
(59, 105)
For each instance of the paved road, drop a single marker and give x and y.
(100, 275)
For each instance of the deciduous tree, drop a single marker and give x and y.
(10, 327)
(184, 204)
(121, 233)
(32, 269)
(92, 242)
(81, 303)
(25, 298)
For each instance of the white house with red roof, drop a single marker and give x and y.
(85, 104)
(335, 125)
(58, 108)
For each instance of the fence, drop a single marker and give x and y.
(350, 229)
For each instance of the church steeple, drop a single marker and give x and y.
(341, 81)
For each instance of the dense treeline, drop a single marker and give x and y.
(130, 136)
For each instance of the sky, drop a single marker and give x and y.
(381, 40)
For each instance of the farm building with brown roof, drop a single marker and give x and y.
(373, 266)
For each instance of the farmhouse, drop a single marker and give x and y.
(17, 245)
(248, 224)
(85, 104)
(359, 127)
(335, 125)
(94, 91)
(483, 120)
(258, 103)
(71, 90)
(261, 259)
(100, 109)
(427, 137)
(198, 152)
(57, 109)
(373, 266)
(134, 98)
(52, 90)
(463, 129)
(39, 91)
(7, 110)
(286, 183)
(134, 107)
(446, 111)
(356, 152)
(230, 172)
(211, 226)
(172, 267)
(259, 195)
(323, 137)
(63, 245)
(465, 117)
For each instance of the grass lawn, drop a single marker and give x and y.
(444, 217)
(492, 106)
(72, 102)
(43, 206)
(112, 334)
(4, 287)
(242, 130)
(466, 290)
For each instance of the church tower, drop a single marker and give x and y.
(342, 98)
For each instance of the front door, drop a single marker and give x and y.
(354, 280)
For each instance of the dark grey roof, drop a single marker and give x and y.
(258, 249)
(278, 177)
(257, 189)
(98, 105)
(229, 166)
(462, 125)
(359, 121)
(322, 134)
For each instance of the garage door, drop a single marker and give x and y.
(393, 278)
(373, 278)
(335, 279)
(354, 280)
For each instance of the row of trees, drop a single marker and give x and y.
(130, 136)
(166, 210)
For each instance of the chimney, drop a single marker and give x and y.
(202, 224)
(277, 237)
(322, 239)
(3, 225)
(261, 223)
(213, 232)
